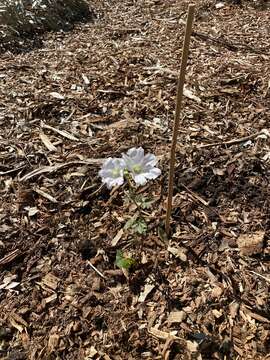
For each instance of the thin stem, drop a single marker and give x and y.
(180, 87)
(132, 196)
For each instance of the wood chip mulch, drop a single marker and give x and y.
(93, 93)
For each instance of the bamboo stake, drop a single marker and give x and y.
(179, 97)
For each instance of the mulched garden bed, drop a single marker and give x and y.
(96, 92)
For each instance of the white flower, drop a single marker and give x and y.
(141, 167)
(112, 172)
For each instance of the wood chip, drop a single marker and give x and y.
(163, 335)
(53, 342)
(147, 290)
(250, 244)
(45, 195)
(51, 298)
(17, 321)
(117, 237)
(51, 281)
(10, 257)
(256, 316)
(178, 252)
(177, 317)
(56, 95)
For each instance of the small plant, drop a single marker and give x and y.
(136, 168)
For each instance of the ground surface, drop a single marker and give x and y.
(93, 93)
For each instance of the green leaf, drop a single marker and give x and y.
(130, 222)
(123, 262)
(136, 224)
(146, 203)
(140, 226)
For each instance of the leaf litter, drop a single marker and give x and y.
(94, 93)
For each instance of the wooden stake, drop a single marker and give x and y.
(179, 97)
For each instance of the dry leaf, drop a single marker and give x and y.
(63, 133)
(46, 141)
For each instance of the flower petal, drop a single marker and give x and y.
(139, 179)
(153, 173)
(110, 182)
(136, 154)
(140, 166)
(112, 172)
(150, 160)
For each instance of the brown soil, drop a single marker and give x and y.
(95, 92)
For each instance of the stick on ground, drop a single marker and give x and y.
(180, 88)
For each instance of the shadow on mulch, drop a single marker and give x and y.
(30, 41)
(234, 183)
(22, 45)
(20, 33)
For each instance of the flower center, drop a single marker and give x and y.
(137, 169)
(115, 172)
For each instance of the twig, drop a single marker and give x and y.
(12, 170)
(200, 200)
(180, 88)
(45, 195)
(96, 270)
(96, 191)
(194, 195)
(235, 141)
(53, 168)
(230, 46)
(263, 277)
(10, 257)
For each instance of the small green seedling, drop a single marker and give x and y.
(136, 224)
